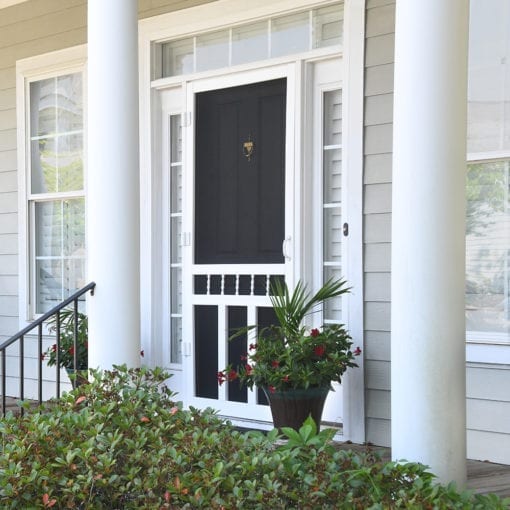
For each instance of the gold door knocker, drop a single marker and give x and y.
(248, 148)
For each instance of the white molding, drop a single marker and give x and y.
(10, 3)
(29, 69)
(219, 14)
(353, 99)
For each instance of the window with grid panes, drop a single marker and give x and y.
(55, 189)
(488, 174)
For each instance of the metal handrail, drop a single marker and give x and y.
(38, 323)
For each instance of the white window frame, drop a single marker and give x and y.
(40, 67)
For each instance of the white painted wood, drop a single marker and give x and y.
(379, 431)
(427, 263)
(113, 184)
(377, 228)
(378, 404)
(377, 375)
(488, 416)
(488, 382)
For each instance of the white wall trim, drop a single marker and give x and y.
(39, 67)
(353, 94)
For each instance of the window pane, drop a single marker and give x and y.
(57, 164)
(290, 34)
(43, 112)
(328, 26)
(250, 43)
(177, 57)
(489, 76)
(212, 51)
(56, 116)
(488, 251)
(59, 250)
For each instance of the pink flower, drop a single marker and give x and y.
(244, 357)
(249, 369)
(357, 351)
(315, 332)
(221, 378)
(285, 378)
(271, 389)
(174, 410)
(253, 347)
(275, 363)
(319, 350)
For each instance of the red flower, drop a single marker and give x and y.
(54, 347)
(244, 357)
(221, 378)
(285, 378)
(271, 389)
(232, 375)
(249, 369)
(357, 351)
(275, 363)
(71, 350)
(142, 353)
(319, 350)
(315, 332)
(253, 347)
(42, 356)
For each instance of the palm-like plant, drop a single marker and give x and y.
(291, 309)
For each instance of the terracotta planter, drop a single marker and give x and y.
(81, 377)
(290, 408)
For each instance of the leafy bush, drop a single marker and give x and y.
(121, 442)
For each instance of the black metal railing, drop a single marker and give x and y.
(20, 337)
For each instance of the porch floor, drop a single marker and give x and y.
(483, 477)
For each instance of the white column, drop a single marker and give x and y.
(113, 183)
(428, 390)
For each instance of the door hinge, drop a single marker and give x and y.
(346, 229)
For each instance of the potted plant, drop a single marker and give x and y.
(293, 364)
(64, 354)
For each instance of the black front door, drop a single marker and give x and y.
(240, 174)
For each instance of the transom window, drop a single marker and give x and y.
(268, 38)
(488, 176)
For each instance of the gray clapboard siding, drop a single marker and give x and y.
(9, 264)
(378, 404)
(8, 181)
(488, 415)
(378, 146)
(488, 446)
(8, 306)
(8, 161)
(8, 246)
(378, 345)
(8, 224)
(378, 109)
(377, 198)
(8, 202)
(7, 99)
(380, 50)
(378, 431)
(488, 383)
(8, 118)
(377, 287)
(377, 258)
(7, 139)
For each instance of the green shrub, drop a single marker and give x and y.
(121, 442)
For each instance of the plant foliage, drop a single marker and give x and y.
(121, 442)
